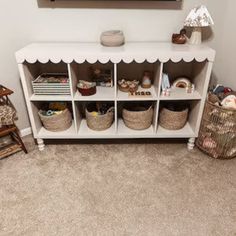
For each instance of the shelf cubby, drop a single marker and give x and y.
(84, 130)
(83, 72)
(134, 71)
(190, 129)
(195, 71)
(33, 70)
(44, 133)
(124, 131)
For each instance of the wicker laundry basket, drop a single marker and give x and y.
(173, 120)
(57, 122)
(138, 117)
(100, 122)
(217, 135)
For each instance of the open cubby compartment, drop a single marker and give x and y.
(83, 130)
(41, 132)
(33, 70)
(191, 128)
(134, 71)
(126, 132)
(83, 72)
(195, 71)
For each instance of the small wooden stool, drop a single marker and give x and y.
(12, 130)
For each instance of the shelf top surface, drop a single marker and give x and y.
(131, 51)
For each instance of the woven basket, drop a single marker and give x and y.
(138, 118)
(58, 122)
(100, 122)
(217, 135)
(173, 120)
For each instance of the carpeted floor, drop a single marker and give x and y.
(117, 189)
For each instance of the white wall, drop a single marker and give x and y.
(22, 22)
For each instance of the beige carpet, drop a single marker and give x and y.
(117, 189)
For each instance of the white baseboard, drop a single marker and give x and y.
(25, 132)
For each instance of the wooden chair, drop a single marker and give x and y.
(12, 130)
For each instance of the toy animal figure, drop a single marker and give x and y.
(180, 38)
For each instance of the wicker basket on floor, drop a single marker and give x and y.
(138, 118)
(173, 120)
(100, 122)
(217, 135)
(57, 122)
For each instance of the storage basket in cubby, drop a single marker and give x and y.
(138, 117)
(173, 120)
(57, 122)
(217, 135)
(99, 122)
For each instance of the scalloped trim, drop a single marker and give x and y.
(116, 60)
(94, 52)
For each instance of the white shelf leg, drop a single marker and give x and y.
(41, 144)
(191, 143)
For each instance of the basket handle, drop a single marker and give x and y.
(111, 109)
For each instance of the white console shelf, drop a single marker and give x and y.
(129, 60)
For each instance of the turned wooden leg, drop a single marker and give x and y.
(40, 144)
(191, 143)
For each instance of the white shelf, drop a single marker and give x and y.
(102, 94)
(69, 133)
(194, 61)
(181, 94)
(86, 132)
(122, 96)
(50, 98)
(126, 132)
(186, 131)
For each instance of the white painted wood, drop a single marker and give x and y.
(73, 71)
(50, 98)
(209, 66)
(185, 132)
(122, 96)
(159, 74)
(181, 94)
(41, 144)
(66, 134)
(93, 52)
(124, 131)
(24, 75)
(25, 132)
(86, 132)
(102, 94)
(155, 116)
(191, 144)
(193, 61)
(115, 102)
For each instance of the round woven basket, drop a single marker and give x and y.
(138, 117)
(173, 120)
(100, 122)
(217, 135)
(57, 122)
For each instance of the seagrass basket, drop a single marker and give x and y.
(57, 122)
(217, 135)
(173, 120)
(138, 117)
(100, 122)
